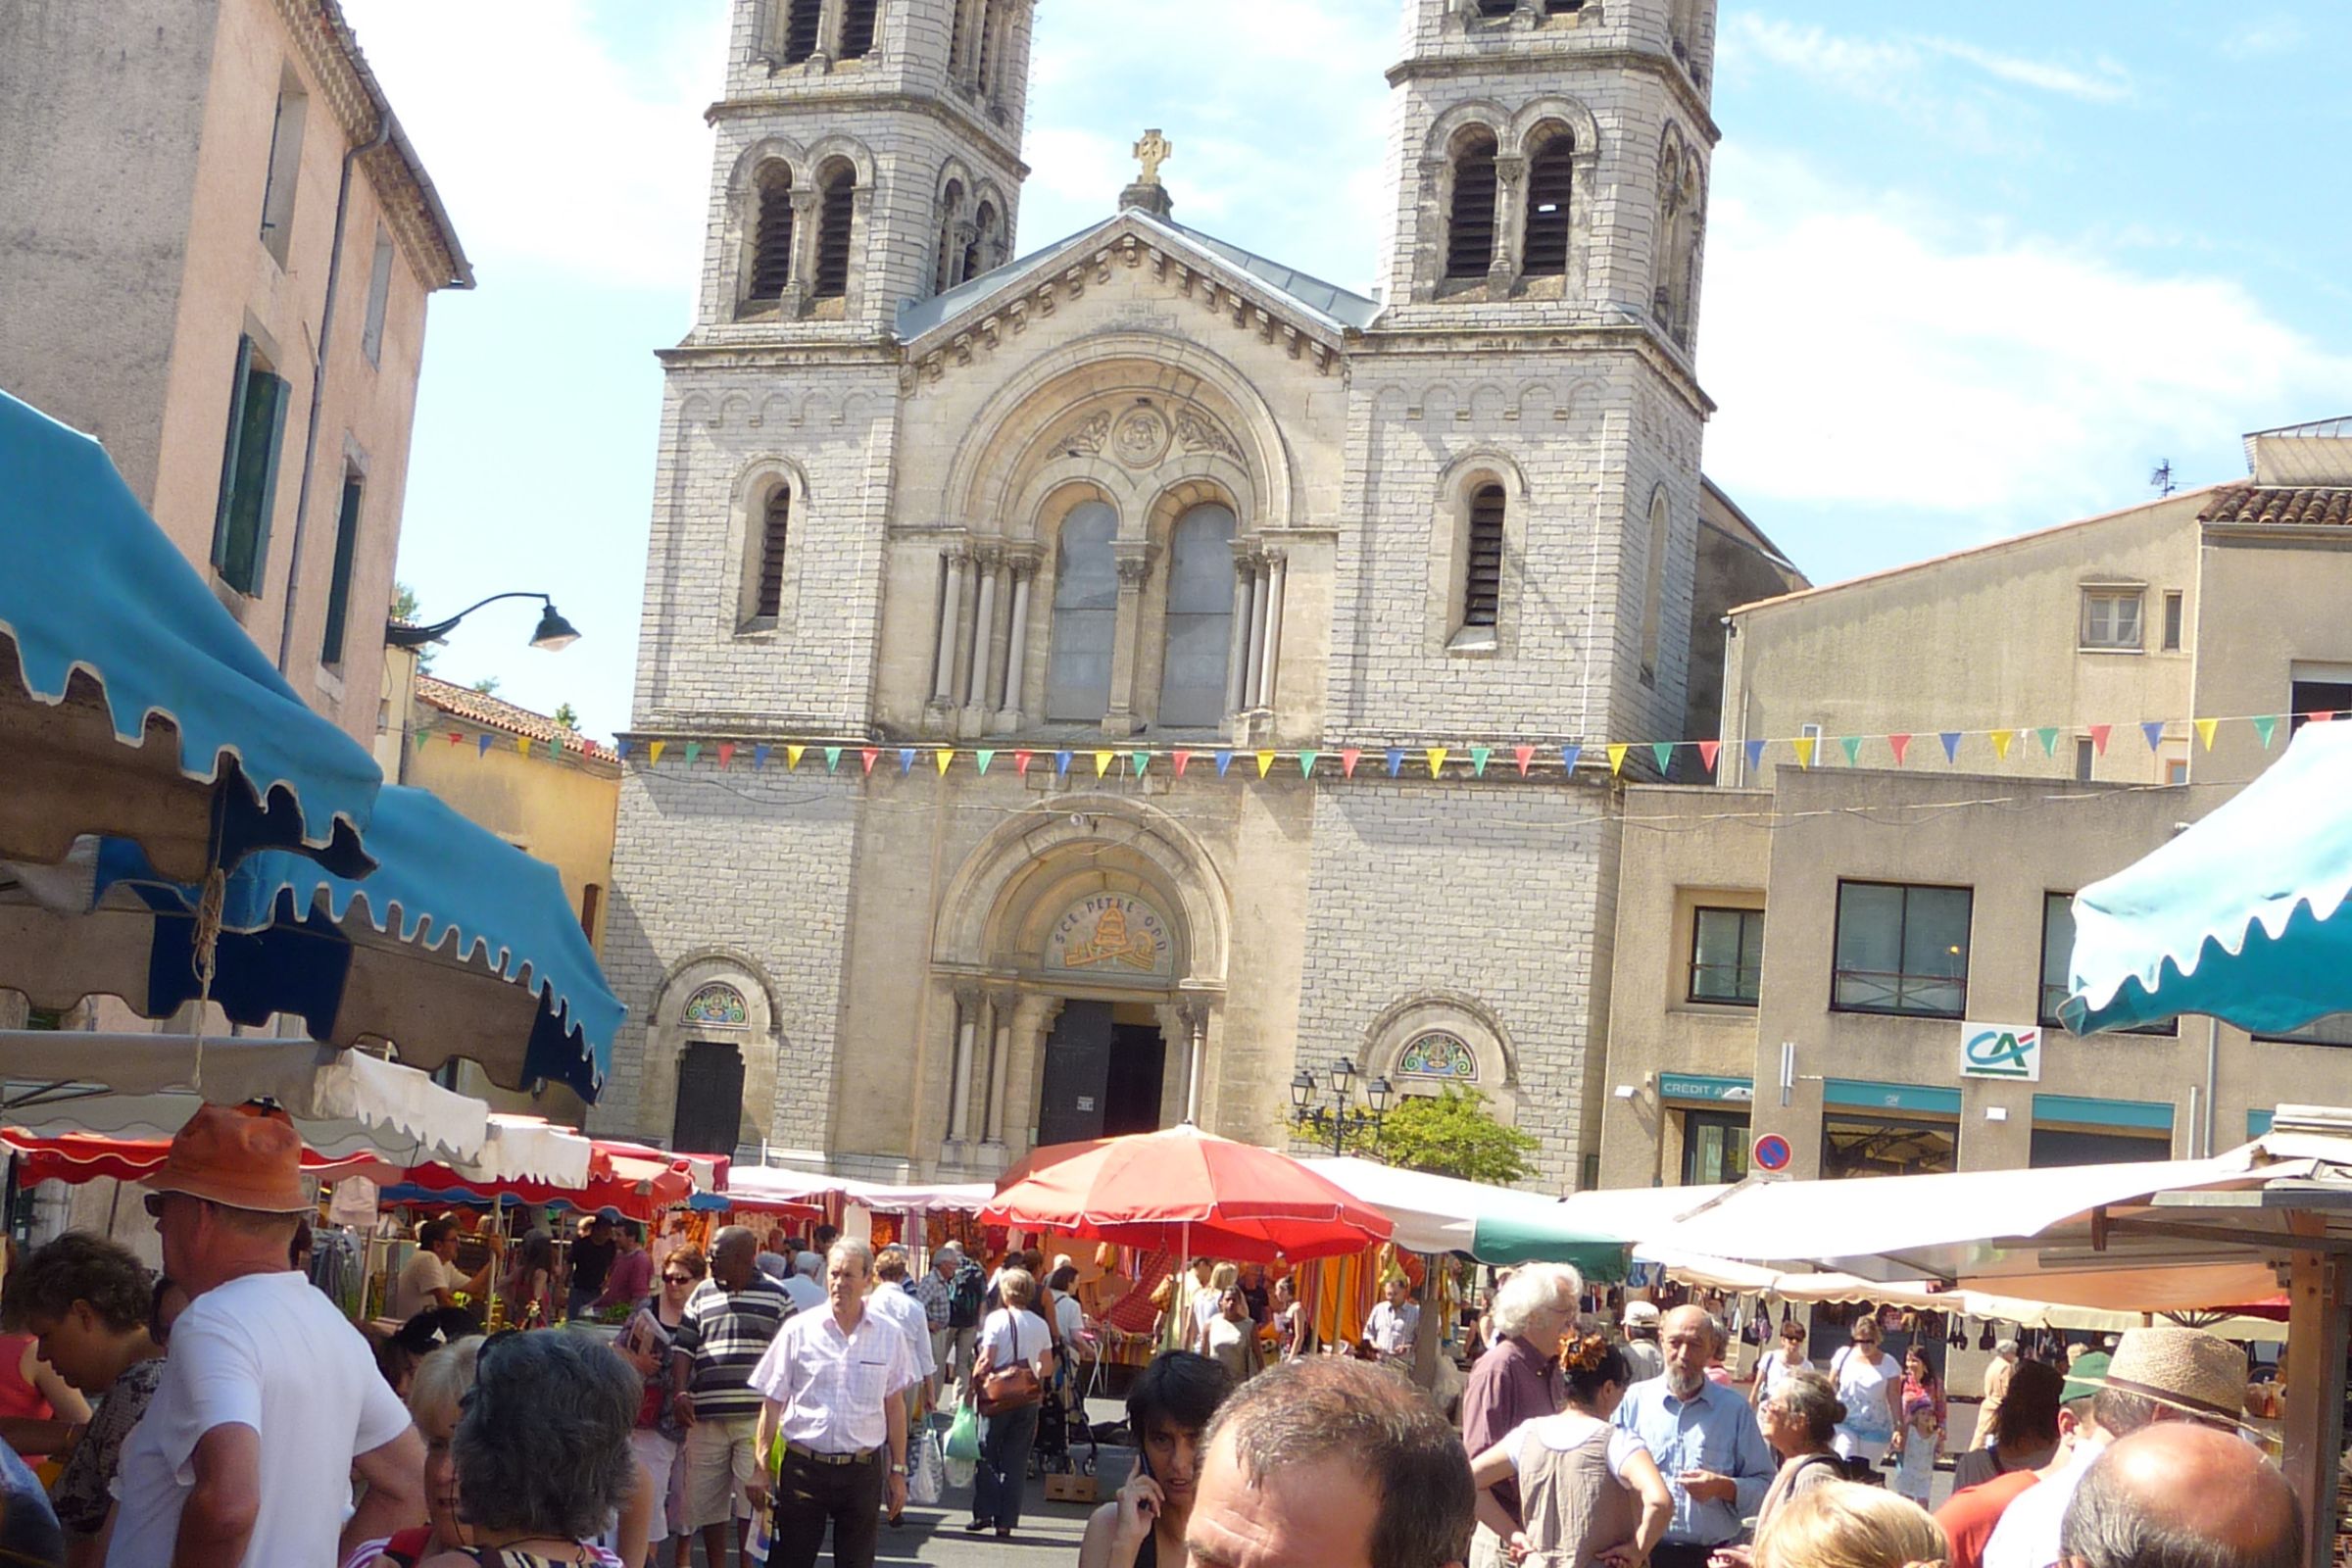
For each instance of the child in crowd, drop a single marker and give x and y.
(1922, 1436)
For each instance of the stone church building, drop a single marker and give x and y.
(1143, 488)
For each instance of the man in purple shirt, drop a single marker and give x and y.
(1518, 1380)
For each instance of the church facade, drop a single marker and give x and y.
(979, 590)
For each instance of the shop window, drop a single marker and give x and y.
(1714, 1147)
(1886, 1145)
(2054, 1148)
(1727, 955)
(2057, 964)
(1901, 949)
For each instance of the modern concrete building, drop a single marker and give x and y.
(1145, 490)
(1818, 951)
(219, 249)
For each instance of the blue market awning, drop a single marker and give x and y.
(2243, 916)
(130, 702)
(459, 945)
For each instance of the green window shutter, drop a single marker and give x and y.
(338, 591)
(222, 542)
(266, 400)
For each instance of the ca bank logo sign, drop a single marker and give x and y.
(2000, 1051)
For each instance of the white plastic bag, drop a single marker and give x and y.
(926, 1475)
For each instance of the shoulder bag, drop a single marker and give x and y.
(1013, 1386)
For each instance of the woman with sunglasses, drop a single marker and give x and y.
(1870, 1384)
(645, 1343)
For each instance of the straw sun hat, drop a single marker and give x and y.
(2184, 1369)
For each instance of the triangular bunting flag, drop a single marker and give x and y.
(522, 746)
(760, 757)
(1568, 756)
(2001, 742)
(2098, 738)
(481, 746)
(1183, 760)
(1396, 761)
(2153, 729)
(981, 760)
(1952, 744)
(425, 737)
(2266, 726)
(1139, 761)
(1437, 761)
(906, 760)
(457, 737)
(1755, 753)
(620, 749)
(1707, 751)
(555, 747)
(656, 750)
(944, 757)
(1898, 744)
(1663, 751)
(1347, 760)
(1523, 754)
(1062, 763)
(726, 753)
(1265, 764)
(1617, 750)
(2048, 736)
(1852, 745)
(1478, 761)
(1021, 761)
(694, 752)
(1224, 761)
(869, 755)
(1306, 763)
(1804, 746)
(832, 759)
(2205, 729)
(1103, 762)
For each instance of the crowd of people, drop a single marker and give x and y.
(767, 1410)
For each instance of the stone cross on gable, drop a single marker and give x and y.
(1151, 152)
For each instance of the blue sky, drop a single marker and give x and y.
(1970, 270)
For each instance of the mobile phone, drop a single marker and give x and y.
(1142, 1460)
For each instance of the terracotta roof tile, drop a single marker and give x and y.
(492, 712)
(2306, 506)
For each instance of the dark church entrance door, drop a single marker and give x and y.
(710, 1118)
(1103, 1068)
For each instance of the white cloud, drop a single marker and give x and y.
(2111, 84)
(1890, 70)
(2259, 38)
(1863, 353)
(550, 148)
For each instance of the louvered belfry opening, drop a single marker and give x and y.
(833, 235)
(858, 29)
(956, 32)
(1470, 236)
(1482, 583)
(771, 239)
(1496, 8)
(1562, 8)
(799, 29)
(984, 234)
(1550, 180)
(776, 527)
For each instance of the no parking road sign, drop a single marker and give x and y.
(1771, 1152)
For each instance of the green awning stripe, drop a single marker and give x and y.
(2151, 1114)
(1864, 1094)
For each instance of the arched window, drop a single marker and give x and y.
(836, 212)
(1086, 613)
(771, 237)
(1675, 259)
(980, 256)
(958, 37)
(1470, 235)
(1550, 181)
(985, 48)
(775, 521)
(948, 272)
(799, 29)
(858, 29)
(1482, 576)
(716, 1003)
(1653, 584)
(1199, 619)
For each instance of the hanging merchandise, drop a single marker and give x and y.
(1957, 1338)
(1989, 1337)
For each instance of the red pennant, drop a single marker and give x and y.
(1707, 751)
(1348, 757)
(455, 737)
(868, 752)
(2099, 737)
(1898, 744)
(1020, 762)
(1182, 760)
(1525, 754)
(726, 753)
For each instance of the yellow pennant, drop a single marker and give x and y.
(942, 757)
(1103, 763)
(656, 750)
(2205, 729)
(1617, 750)
(1265, 764)
(1804, 745)
(522, 745)
(1437, 761)
(2001, 739)
(792, 755)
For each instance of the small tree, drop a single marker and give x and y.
(566, 715)
(487, 685)
(404, 608)
(1448, 1134)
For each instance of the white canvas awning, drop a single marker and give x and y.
(780, 1184)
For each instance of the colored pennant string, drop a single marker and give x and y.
(1139, 761)
(482, 748)
(1021, 761)
(944, 759)
(1224, 761)
(1568, 756)
(2001, 741)
(1523, 754)
(2098, 738)
(1663, 751)
(1617, 752)
(1103, 763)
(726, 753)
(760, 757)
(424, 738)
(1478, 761)
(1900, 744)
(1062, 763)
(1707, 751)
(2153, 729)
(906, 760)
(1437, 761)
(522, 746)
(1306, 763)
(1755, 755)
(1804, 746)
(832, 759)
(654, 751)
(981, 760)
(1396, 761)
(1183, 760)
(2048, 736)
(2265, 727)
(1265, 762)
(869, 755)
(694, 752)
(1952, 745)
(2205, 729)
(1852, 745)
(1349, 757)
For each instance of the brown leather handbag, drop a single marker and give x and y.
(1014, 1387)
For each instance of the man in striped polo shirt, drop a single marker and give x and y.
(729, 1321)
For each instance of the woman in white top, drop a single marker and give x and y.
(1870, 1384)
(1233, 1337)
(1781, 1364)
(1587, 1489)
(1208, 1304)
(1010, 1335)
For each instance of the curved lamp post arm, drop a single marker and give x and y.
(554, 633)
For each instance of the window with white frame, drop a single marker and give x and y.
(2110, 619)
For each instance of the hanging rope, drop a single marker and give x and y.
(206, 943)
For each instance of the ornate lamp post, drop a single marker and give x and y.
(1338, 1115)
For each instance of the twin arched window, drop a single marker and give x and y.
(1550, 183)
(1470, 233)
(1197, 632)
(772, 266)
(1474, 219)
(1086, 613)
(836, 212)
(772, 238)
(804, 22)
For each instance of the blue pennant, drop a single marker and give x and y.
(759, 757)
(1952, 744)
(906, 760)
(1062, 762)
(1755, 755)
(1396, 761)
(2153, 729)
(1569, 754)
(1224, 761)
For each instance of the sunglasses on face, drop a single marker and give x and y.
(677, 1279)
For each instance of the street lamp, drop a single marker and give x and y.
(1338, 1115)
(554, 633)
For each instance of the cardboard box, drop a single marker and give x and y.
(1062, 1488)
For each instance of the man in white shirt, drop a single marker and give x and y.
(429, 1280)
(1392, 1326)
(270, 1399)
(801, 1284)
(831, 1383)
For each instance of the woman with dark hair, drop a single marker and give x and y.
(542, 1451)
(86, 1302)
(1168, 1408)
(531, 1282)
(1586, 1489)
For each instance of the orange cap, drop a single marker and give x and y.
(239, 1156)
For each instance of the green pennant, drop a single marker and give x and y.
(2048, 736)
(1478, 761)
(1141, 761)
(694, 749)
(1306, 763)
(1852, 745)
(983, 758)
(423, 737)
(1663, 751)
(555, 749)
(832, 758)
(2265, 726)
